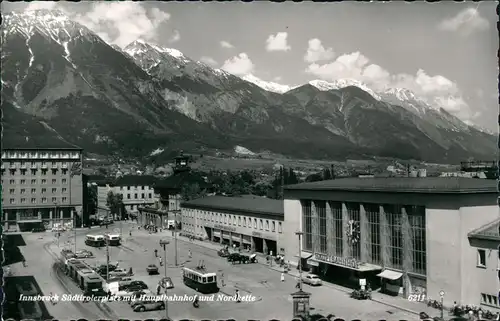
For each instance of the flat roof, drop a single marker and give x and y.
(257, 205)
(448, 185)
(34, 147)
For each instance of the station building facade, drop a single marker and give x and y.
(41, 186)
(250, 222)
(400, 234)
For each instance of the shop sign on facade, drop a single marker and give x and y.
(225, 228)
(256, 234)
(344, 261)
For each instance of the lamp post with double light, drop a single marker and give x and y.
(164, 243)
(299, 234)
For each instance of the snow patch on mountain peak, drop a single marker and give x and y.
(342, 83)
(267, 85)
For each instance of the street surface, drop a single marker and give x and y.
(273, 296)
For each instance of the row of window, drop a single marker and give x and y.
(34, 154)
(34, 164)
(349, 228)
(134, 187)
(237, 220)
(43, 190)
(489, 299)
(34, 200)
(43, 172)
(34, 181)
(136, 196)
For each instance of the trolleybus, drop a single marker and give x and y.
(114, 239)
(95, 240)
(200, 280)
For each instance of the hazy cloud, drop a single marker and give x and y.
(278, 42)
(121, 23)
(209, 61)
(316, 51)
(39, 5)
(239, 65)
(225, 44)
(466, 22)
(437, 89)
(277, 78)
(176, 36)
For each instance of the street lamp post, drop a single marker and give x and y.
(107, 257)
(299, 234)
(164, 244)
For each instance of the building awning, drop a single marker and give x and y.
(313, 263)
(390, 275)
(304, 255)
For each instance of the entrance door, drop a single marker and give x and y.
(208, 231)
(271, 247)
(259, 244)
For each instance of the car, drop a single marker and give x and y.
(133, 286)
(147, 305)
(223, 252)
(38, 229)
(152, 269)
(167, 282)
(58, 229)
(118, 273)
(103, 270)
(83, 254)
(312, 279)
(235, 258)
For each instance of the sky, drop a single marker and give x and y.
(445, 52)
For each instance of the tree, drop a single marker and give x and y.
(92, 199)
(314, 177)
(115, 204)
(192, 191)
(292, 177)
(326, 174)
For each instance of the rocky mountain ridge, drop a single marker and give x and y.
(145, 97)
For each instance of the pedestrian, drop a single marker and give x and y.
(480, 314)
(282, 277)
(158, 289)
(51, 295)
(237, 295)
(222, 279)
(190, 254)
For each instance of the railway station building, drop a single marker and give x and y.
(250, 222)
(401, 235)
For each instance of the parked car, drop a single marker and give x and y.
(119, 272)
(38, 229)
(58, 229)
(167, 282)
(152, 269)
(83, 254)
(147, 305)
(133, 286)
(312, 279)
(223, 252)
(103, 270)
(235, 258)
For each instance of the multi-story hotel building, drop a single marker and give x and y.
(41, 185)
(403, 234)
(136, 190)
(252, 223)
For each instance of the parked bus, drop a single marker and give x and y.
(114, 239)
(200, 281)
(95, 240)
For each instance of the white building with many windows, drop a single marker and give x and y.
(252, 223)
(136, 190)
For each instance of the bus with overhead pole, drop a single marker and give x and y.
(200, 280)
(95, 240)
(114, 239)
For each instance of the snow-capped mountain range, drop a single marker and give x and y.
(59, 74)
